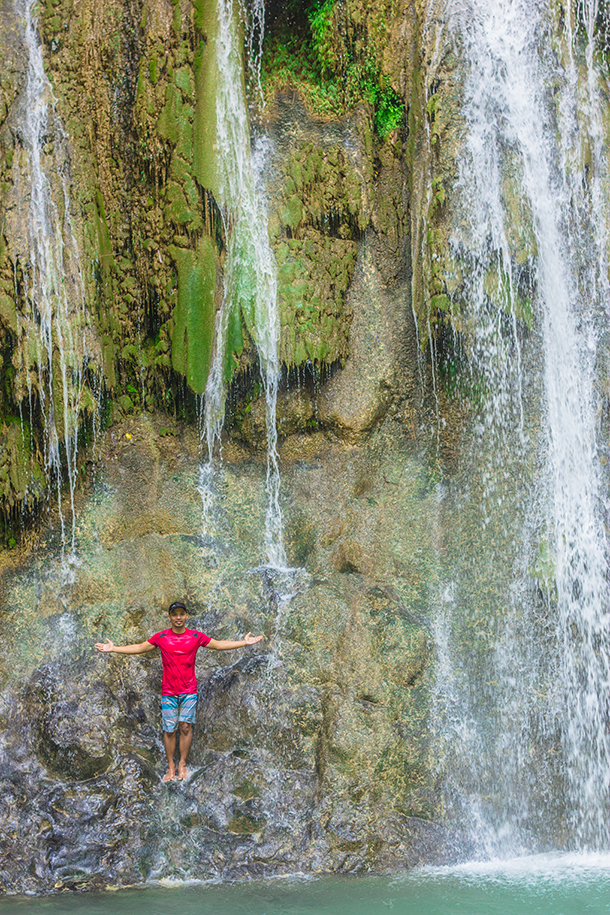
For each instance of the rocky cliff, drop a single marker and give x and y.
(313, 751)
(316, 750)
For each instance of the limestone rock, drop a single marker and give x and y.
(295, 411)
(359, 395)
(311, 750)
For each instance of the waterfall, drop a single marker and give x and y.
(52, 349)
(523, 629)
(250, 286)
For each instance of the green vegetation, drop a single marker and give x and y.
(389, 109)
(320, 23)
(289, 63)
(139, 106)
(318, 55)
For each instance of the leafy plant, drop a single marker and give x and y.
(317, 58)
(320, 20)
(389, 111)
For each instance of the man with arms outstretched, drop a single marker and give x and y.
(178, 647)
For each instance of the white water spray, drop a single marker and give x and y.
(548, 670)
(250, 272)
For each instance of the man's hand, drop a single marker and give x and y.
(105, 646)
(250, 639)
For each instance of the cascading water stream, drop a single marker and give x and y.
(52, 350)
(250, 275)
(541, 674)
(256, 34)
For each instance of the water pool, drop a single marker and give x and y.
(545, 885)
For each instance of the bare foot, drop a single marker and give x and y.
(170, 775)
(182, 771)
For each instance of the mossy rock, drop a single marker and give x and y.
(318, 224)
(8, 312)
(314, 318)
(194, 315)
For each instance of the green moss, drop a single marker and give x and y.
(8, 312)
(502, 294)
(167, 125)
(105, 261)
(291, 213)
(125, 404)
(201, 7)
(21, 477)
(315, 246)
(192, 194)
(194, 315)
(314, 324)
(206, 79)
(524, 312)
(440, 303)
(179, 169)
(108, 360)
(177, 18)
(103, 233)
(176, 208)
(153, 69)
(234, 343)
(184, 146)
(182, 79)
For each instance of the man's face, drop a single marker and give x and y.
(178, 618)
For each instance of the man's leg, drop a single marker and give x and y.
(186, 739)
(169, 741)
(169, 719)
(187, 715)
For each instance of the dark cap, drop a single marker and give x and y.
(176, 606)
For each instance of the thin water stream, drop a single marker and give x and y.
(250, 285)
(53, 350)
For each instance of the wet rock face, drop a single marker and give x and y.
(344, 280)
(135, 90)
(72, 723)
(312, 749)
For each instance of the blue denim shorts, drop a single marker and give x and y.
(178, 708)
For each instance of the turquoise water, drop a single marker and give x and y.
(557, 885)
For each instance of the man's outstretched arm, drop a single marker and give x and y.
(124, 649)
(227, 644)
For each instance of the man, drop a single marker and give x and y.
(179, 647)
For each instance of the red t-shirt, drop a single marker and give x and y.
(178, 655)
